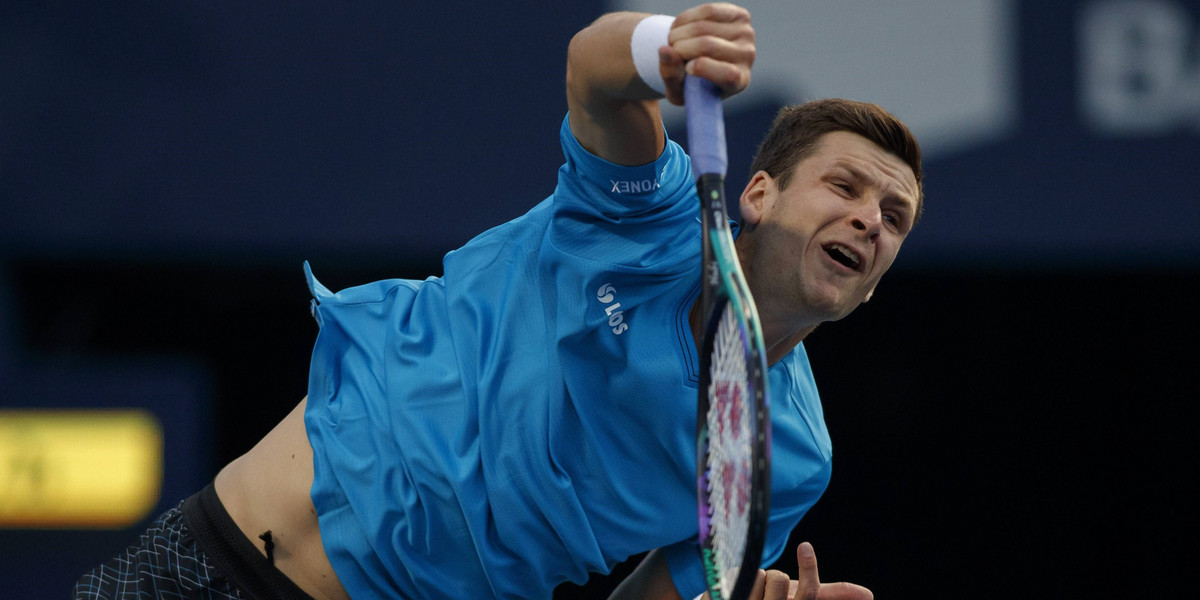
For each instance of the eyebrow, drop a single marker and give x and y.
(910, 204)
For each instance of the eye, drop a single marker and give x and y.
(896, 220)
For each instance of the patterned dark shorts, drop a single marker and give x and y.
(166, 564)
(192, 551)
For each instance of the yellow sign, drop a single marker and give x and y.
(78, 468)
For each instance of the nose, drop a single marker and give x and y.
(869, 220)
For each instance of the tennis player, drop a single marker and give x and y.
(529, 417)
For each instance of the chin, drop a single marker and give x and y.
(833, 302)
(833, 310)
(844, 306)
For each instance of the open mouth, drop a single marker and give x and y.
(843, 255)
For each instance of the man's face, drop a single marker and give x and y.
(822, 244)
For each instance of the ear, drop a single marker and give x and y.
(755, 197)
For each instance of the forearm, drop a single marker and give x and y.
(651, 580)
(613, 113)
(599, 61)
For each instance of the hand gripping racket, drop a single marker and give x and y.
(733, 428)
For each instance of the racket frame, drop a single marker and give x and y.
(724, 285)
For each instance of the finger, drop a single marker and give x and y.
(809, 587)
(776, 586)
(742, 33)
(808, 583)
(729, 78)
(739, 52)
(835, 591)
(845, 591)
(670, 65)
(721, 12)
(760, 581)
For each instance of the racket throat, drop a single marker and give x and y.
(714, 223)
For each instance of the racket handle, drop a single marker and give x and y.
(705, 127)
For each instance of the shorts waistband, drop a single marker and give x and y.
(231, 553)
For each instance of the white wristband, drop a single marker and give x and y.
(650, 34)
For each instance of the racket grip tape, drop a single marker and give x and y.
(705, 126)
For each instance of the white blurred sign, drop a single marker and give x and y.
(1139, 67)
(947, 68)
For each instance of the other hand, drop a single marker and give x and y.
(775, 585)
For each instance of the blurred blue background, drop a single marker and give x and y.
(1013, 410)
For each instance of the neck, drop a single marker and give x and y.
(783, 327)
(784, 344)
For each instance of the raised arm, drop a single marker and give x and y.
(613, 113)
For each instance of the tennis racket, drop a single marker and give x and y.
(733, 427)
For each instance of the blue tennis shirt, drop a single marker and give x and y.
(529, 417)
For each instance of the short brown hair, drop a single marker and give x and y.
(798, 128)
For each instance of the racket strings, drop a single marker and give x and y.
(731, 442)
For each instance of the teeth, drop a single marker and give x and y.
(844, 251)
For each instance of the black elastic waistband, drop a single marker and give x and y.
(232, 554)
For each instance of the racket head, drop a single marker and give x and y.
(733, 432)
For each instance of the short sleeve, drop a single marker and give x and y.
(625, 215)
(683, 560)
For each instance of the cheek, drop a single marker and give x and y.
(887, 256)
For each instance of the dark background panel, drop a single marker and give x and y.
(993, 429)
